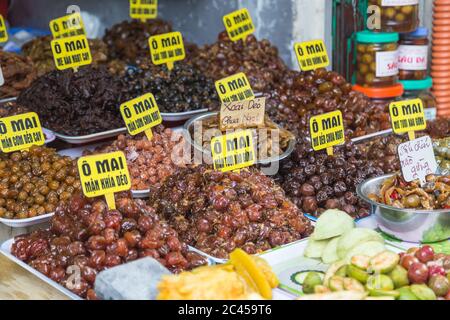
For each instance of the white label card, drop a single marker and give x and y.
(417, 159)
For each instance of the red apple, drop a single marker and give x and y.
(408, 260)
(425, 254)
(436, 270)
(418, 273)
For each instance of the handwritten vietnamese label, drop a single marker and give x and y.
(104, 174)
(143, 9)
(417, 159)
(311, 55)
(234, 88)
(167, 48)
(242, 114)
(407, 116)
(68, 26)
(233, 151)
(71, 52)
(3, 31)
(327, 130)
(141, 114)
(238, 24)
(20, 132)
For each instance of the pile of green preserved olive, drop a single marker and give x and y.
(396, 16)
(33, 182)
(442, 152)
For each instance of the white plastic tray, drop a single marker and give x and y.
(181, 116)
(49, 135)
(23, 223)
(90, 137)
(5, 249)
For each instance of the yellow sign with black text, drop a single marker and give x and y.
(71, 52)
(238, 24)
(104, 174)
(143, 9)
(167, 48)
(234, 88)
(20, 132)
(311, 55)
(407, 116)
(327, 130)
(67, 26)
(233, 151)
(3, 30)
(141, 114)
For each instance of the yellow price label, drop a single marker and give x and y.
(327, 130)
(167, 48)
(141, 114)
(234, 88)
(68, 26)
(311, 55)
(233, 151)
(104, 174)
(20, 132)
(71, 52)
(407, 116)
(3, 31)
(238, 24)
(143, 9)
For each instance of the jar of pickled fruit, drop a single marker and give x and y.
(413, 55)
(382, 97)
(398, 15)
(421, 89)
(376, 59)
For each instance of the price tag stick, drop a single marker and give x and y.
(330, 151)
(411, 135)
(170, 65)
(110, 201)
(149, 134)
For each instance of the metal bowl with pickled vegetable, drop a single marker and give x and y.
(411, 225)
(269, 148)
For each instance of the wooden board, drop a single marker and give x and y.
(17, 283)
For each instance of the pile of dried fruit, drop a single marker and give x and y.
(33, 182)
(86, 237)
(259, 60)
(18, 72)
(217, 212)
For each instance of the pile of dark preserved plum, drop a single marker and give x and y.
(76, 103)
(18, 71)
(316, 182)
(259, 60)
(85, 236)
(181, 89)
(217, 212)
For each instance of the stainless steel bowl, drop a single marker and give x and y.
(187, 134)
(410, 225)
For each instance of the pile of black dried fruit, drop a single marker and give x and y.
(85, 236)
(259, 60)
(76, 103)
(128, 40)
(315, 181)
(18, 72)
(217, 212)
(40, 52)
(182, 89)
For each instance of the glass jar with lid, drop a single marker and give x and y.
(376, 59)
(380, 99)
(397, 15)
(421, 89)
(413, 55)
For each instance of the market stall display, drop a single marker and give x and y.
(18, 72)
(86, 235)
(217, 212)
